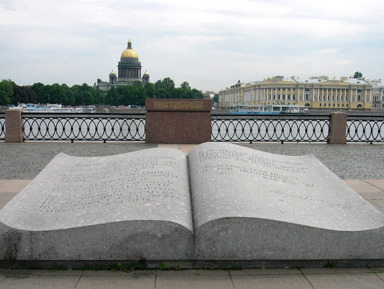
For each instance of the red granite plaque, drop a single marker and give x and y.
(178, 121)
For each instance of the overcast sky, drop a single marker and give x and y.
(211, 44)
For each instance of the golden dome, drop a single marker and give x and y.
(112, 72)
(146, 72)
(129, 52)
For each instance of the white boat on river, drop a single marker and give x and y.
(52, 108)
(267, 109)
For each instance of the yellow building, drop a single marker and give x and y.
(315, 92)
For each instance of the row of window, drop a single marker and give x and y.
(307, 98)
(307, 89)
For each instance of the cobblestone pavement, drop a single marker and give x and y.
(351, 161)
(24, 161)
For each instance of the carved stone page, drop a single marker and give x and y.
(129, 206)
(252, 205)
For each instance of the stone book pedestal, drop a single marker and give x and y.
(221, 202)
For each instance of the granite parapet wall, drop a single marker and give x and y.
(178, 121)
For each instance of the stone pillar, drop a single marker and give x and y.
(13, 126)
(338, 128)
(177, 121)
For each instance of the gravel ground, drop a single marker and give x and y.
(24, 161)
(352, 161)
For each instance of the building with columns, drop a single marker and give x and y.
(313, 93)
(377, 95)
(128, 71)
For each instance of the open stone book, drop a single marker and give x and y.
(221, 202)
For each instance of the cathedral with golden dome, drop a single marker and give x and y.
(128, 71)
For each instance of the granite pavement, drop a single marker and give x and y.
(352, 161)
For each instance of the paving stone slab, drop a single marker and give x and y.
(271, 281)
(345, 281)
(362, 186)
(377, 183)
(206, 279)
(117, 280)
(13, 186)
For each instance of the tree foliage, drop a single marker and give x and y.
(6, 92)
(358, 74)
(79, 95)
(215, 99)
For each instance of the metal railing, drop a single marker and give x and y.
(364, 128)
(2, 126)
(270, 128)
(230, 128)
(84, 127)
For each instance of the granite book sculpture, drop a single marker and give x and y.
(220, 202)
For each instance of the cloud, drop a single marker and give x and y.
(210, 44)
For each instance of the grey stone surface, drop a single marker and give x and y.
(123, 207)
(251, 205)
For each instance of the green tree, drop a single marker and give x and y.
(358, 74)
(168, 84)
(57, 94)
(149, 89)
(161, 93)
(196, 94)
(125, 96)
(138, 93)
(98, 96)
(23, 94)
(215, 99)
(178, 93)
(164, 88)
(87, 95)
(6, 92)
(76, 92)
(185, 85)
(112, 97)
(41, 91)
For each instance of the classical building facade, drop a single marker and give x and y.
(128, 71)
(377, 95)
(315, 92)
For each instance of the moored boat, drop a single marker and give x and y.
(267, 109)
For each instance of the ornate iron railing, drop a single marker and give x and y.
(84, 127)
(270, 128)
(364, 128)
(260, 128)
(2, 126)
